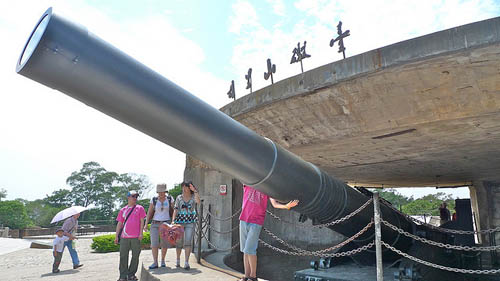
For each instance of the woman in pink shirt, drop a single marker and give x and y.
(253, 214)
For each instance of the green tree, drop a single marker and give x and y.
(92, 185)
(395, 198)
(61, 198)
(105, 190)
(40, 212)
(429, 204)
(3, 194)
(176, 191)
(130, 181)
(13, 214)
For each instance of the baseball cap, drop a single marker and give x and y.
(132, 192)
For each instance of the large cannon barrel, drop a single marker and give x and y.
(66, 57)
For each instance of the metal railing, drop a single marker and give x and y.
(204, 228)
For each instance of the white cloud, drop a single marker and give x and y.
(244, 17)
(372, 24)
(278, 7)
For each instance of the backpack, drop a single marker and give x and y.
(170, 207)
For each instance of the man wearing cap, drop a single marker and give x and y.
(69, 227)
(160, 211)
(129, 235)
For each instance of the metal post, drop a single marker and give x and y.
(200, 230)
(378, 237)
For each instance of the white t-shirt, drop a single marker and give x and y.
(59, 243)
(161, 215)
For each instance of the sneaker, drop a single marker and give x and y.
(186, 266)
(178, 264)
(163, 264)
(77, 266)
(56, 271)
(153, 266)
(132, 278)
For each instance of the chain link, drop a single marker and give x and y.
(319, 252)
(325, 224)
(438, 244)
(442, 267)
(222, 232)
(454, 231)
(223, 219)
(342, 254)
(219, 249)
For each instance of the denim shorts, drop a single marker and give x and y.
(249, 237)
(185, 241)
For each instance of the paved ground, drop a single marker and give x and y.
(36, 264)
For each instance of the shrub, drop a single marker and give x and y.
(106, 243)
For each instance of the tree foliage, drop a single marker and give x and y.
(176, 191)
(92, 185)
(13, 214)
(105, 191)
(40, 212)
(428, 205)
(396, 198)
(3, 194)
(61, 198)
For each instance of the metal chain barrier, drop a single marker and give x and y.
(454, 231)
(326, 224)
(442, 267)
(438, 244)
(222, 232)
(342, 254)
(222, 219)
(319, 252)
(219, 249)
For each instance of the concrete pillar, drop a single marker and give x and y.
(485, 200)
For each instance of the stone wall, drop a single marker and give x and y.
(485, 200)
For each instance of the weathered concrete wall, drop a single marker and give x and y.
(208, 181)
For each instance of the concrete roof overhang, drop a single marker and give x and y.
(422, 112)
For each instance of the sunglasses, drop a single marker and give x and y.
(135, 196)
(188, 206)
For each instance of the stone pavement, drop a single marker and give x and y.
(36, 264)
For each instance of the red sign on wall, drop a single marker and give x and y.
(223, 189)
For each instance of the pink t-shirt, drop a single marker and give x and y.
(133, 226)
(254, 206)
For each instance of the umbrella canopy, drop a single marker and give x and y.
(68, 212)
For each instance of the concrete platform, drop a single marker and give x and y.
(19, 262)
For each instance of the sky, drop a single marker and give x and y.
(199, 45)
